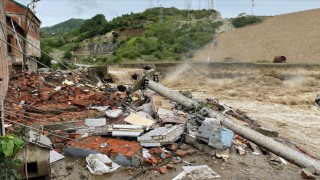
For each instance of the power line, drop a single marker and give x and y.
(62, 137)
(36, 129)
(41, 124)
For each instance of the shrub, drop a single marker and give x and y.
(242, 21)
(9, 147)
(67, 55)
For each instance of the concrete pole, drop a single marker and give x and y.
(268, 143)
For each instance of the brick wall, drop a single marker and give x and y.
(18, 13)
(4, 71)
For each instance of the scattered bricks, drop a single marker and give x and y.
(170, 166)
(156, 151)
(58, 150)
(184, 147)
(74, 135)
(163, 170)
(191, 151)
(129, 154)
(154, 160)
(58, 140)
(168, 155)
(147, 160)
(82, 103)
(306, 174)
(173, 146)
(45, 133)
(181, 153)
(106, 151)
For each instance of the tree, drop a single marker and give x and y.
(94, 25)
(45, 59)
(67, 55)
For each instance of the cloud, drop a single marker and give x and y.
(78, 9)
(92, 4)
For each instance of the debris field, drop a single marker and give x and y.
(110, 126)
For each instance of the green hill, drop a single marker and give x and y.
(67, 26)
(145, 36)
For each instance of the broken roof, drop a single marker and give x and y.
(25, 7)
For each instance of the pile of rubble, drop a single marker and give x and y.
(124, 128)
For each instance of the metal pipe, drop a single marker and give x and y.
(268, 143)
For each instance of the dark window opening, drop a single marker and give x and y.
(32, 167)
(10, 43)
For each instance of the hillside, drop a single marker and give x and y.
(66, 26)
(144, 36)
(294, 35)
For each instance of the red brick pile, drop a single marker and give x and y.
(109, 146)
(66, 104)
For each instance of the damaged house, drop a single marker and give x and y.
(22, 23)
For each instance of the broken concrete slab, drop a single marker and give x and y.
(161, 136)
(95, 122)
(134, 161)
(160, 102)
(306, 174)
(210, 132)
(55, 156)
(226, 137)
(136, 119)
(223, 154)
(39, 139)
(78, 152)
(200, 145)
(126, 130)
(114, 113)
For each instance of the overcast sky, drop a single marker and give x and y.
(51, 12)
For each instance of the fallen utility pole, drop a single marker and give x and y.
(268, 143)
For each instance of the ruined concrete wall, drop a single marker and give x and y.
(31, 50)
(24, 17)
(14, 53)
(32, 64)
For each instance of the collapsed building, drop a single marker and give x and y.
(23, 25)
(139, 125)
